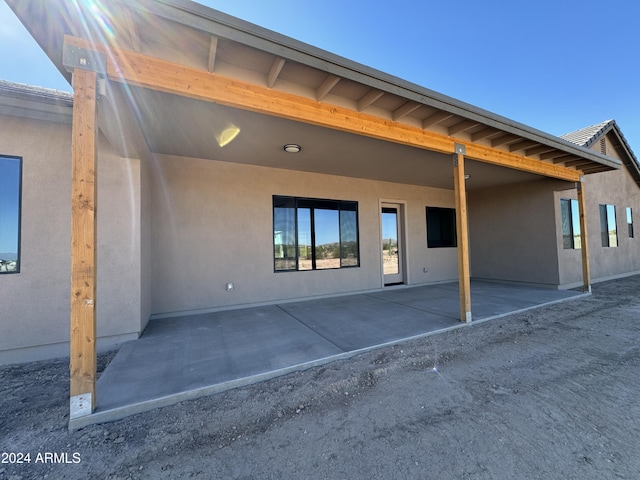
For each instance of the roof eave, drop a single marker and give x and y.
(203, 18)
(217, 23)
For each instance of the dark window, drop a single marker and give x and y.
(608, 226)
(441, 227)
(630, 221)
(571, 238)
(314, 234)
(10, 198)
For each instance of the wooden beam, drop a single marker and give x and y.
(83, 245)
(464, 272)
(143, 71)
(595, 168)
(274, 73)
(521, 145)
(436, 118)
(462, 126)
(580, 162)
(502, 139)
(518, 162)
(369, 98)
(213, 51)
(328, 84)
(553, 154)
(563, 158)
(405, 110)
(582, 208)
(538, 150)
(484, 133)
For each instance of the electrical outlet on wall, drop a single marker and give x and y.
(230, 287)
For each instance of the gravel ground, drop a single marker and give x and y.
(547, 394)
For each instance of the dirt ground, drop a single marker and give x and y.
(548, 394)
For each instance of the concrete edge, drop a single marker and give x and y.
(533, 307)
(119, 413)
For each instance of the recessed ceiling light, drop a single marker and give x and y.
(292, 148)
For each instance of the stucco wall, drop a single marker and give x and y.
(212, 224)
(34, 323)
(511, 233)
(613, 188)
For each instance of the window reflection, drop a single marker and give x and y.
(314, 234)
(10, 185)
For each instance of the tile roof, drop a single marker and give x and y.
(586, 136)
(45, 94)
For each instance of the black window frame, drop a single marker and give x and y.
(445, 218)
(604, 225)
(18, 261)
(569, 238)
(629, 212)
(312, 205)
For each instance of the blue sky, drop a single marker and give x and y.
(554, 65)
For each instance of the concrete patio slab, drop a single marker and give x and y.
(361, 321)
(189, 356)
(186, 353)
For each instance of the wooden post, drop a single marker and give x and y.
(83, 245)
(462, 233)
(582, 207)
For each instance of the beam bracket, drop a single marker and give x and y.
(77, 57)
(460, 148)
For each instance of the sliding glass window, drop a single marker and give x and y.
(314, 234)
(10, 199)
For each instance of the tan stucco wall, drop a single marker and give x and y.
(212, 224)
(511, 233)
(613, 188)
(34, 323)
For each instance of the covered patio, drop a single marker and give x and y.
(182, 358)
(200, 109)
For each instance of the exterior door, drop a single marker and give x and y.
(392, 244)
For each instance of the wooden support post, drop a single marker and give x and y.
(83, 245)
(582, 207)
(462, 233)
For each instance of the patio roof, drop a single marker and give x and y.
(200, 40)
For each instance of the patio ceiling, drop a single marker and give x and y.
(220, 48)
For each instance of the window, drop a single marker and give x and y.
(571, 237)
(314, 234)
(441, 227)
(630, 221)
(10, 195)
(608, 227)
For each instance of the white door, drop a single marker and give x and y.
(392, 244)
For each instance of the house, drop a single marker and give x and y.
(209, 164)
